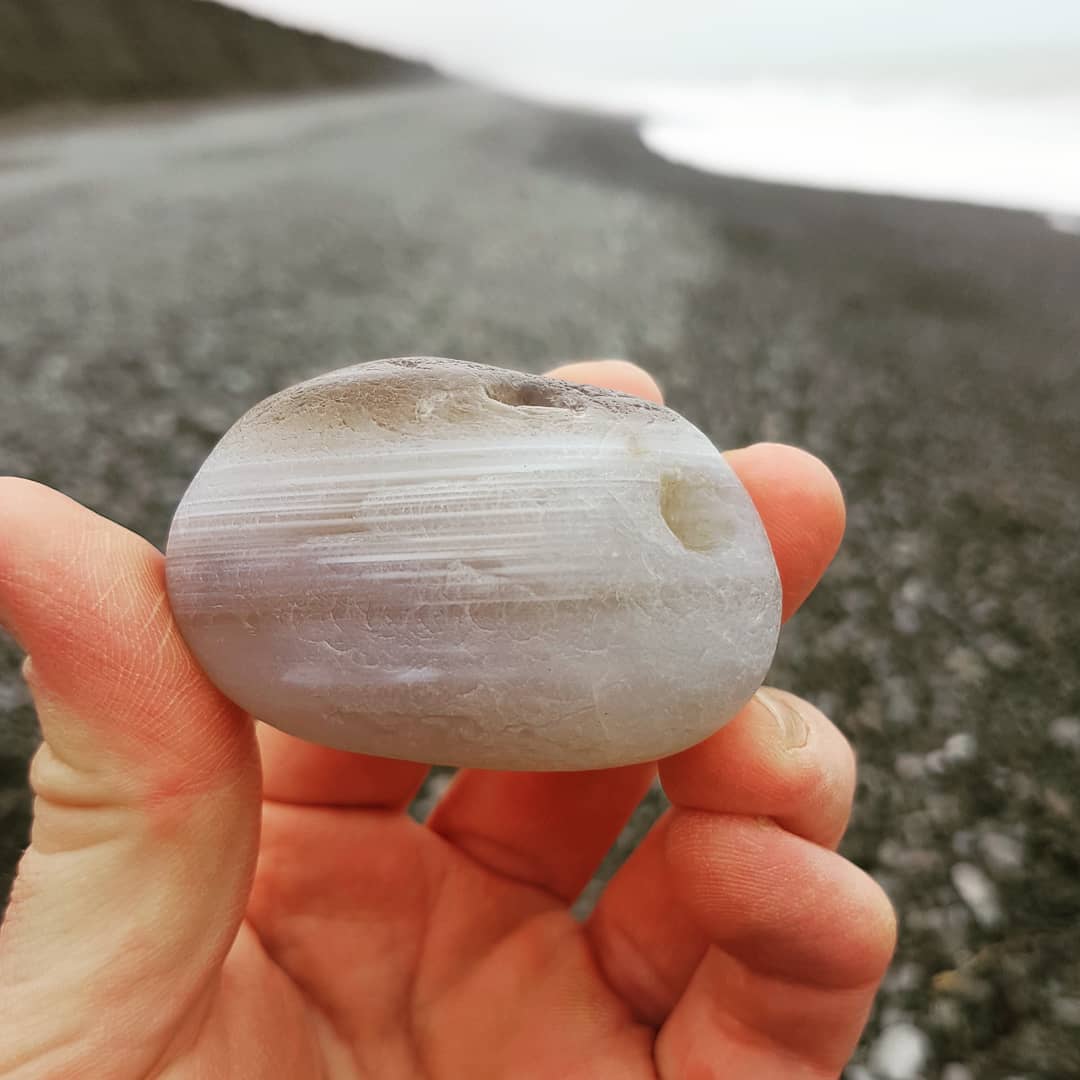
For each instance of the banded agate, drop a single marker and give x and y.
(458, 564)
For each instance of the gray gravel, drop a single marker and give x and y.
(161, 272)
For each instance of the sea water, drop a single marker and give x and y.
(1023, 154)
(1013, 142)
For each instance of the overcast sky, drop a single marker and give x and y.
(672, 39)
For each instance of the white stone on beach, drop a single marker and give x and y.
(1001, 852)
(1065, 732)
(961, 748)
(463, 565)
(979, 893)
(900, 1052)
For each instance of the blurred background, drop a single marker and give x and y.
(850, 226)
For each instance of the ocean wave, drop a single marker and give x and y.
(1020, 152)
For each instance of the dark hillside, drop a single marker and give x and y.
(54, 51)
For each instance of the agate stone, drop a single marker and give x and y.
(458, 564)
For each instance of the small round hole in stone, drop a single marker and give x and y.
(532, 394)
(694, 511)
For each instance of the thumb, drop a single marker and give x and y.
(147, 797)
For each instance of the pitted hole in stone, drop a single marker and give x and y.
(537, 395)
(695, 511)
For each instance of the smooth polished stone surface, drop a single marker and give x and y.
(463, 565)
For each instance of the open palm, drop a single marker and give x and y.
(199, 901)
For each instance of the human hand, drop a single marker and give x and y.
(183, 913)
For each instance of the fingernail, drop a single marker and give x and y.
(794, 731)
(26, 669)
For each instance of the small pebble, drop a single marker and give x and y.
(891, 1015)
(1002, 853)
(936, 762)
(979, 893)
(900, 1052)
(908, 549)
(1065, 732)
(904, 977)
(961, 748)
(13, 695)
(910, 766)
(914, 592)
(947, 1014)
(901, 707)
(1066, 1011)
(943, 808)
(1003, 654)
(966, 665)
(956, 1071)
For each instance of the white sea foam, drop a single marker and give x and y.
(1022, 153)
(1009, 150)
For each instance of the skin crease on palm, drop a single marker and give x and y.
(204, 899)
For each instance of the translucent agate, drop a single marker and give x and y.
(458, 564)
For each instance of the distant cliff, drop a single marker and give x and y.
(54, 51)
